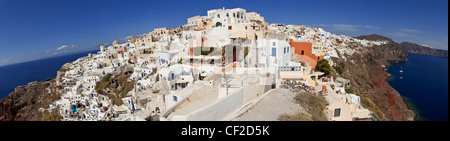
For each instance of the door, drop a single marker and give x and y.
(234, 53)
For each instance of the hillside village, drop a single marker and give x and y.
(214, 67)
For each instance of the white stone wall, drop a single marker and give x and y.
(217, 110)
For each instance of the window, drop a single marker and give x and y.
(274, 52)
(175, 98)
(287, 49)
(337, 112)
(218, 15)
(303, 52)
(284, 50)
(273, 43)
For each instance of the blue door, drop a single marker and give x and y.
(274, 52)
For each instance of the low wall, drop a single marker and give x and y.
(252, 91)
(169, 110)
(217, 110)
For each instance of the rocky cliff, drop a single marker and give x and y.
(24, 103)
(27, 103)
(368, 78)
(423, 50)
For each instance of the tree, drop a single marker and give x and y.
(338, 70)
(323, 66)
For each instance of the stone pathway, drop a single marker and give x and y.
(274, 104)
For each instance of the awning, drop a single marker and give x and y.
(319, 73)
(238, 34)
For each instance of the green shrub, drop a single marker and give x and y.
(104, 83)
(349, 91)
(323, 66)
(107, 78)
(338, 70)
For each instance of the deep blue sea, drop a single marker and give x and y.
(22, 73)
(424, 83)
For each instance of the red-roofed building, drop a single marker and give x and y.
(304, 51)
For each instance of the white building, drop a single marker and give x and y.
(164, 57)
(278, 49)
(225, 17)
(193, 21)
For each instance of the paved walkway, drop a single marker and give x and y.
(274, 104)
(197, 99)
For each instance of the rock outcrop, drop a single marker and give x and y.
(25, 102)
(61, 72)
(423, 50)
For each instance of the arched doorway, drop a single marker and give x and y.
(218, 24)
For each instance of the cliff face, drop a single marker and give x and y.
(26, 103)
(418, 49)
(23, 104)
(368, 77)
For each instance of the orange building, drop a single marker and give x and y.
(304, 51)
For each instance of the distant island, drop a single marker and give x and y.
(423, 50)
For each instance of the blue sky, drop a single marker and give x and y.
(37, 29)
